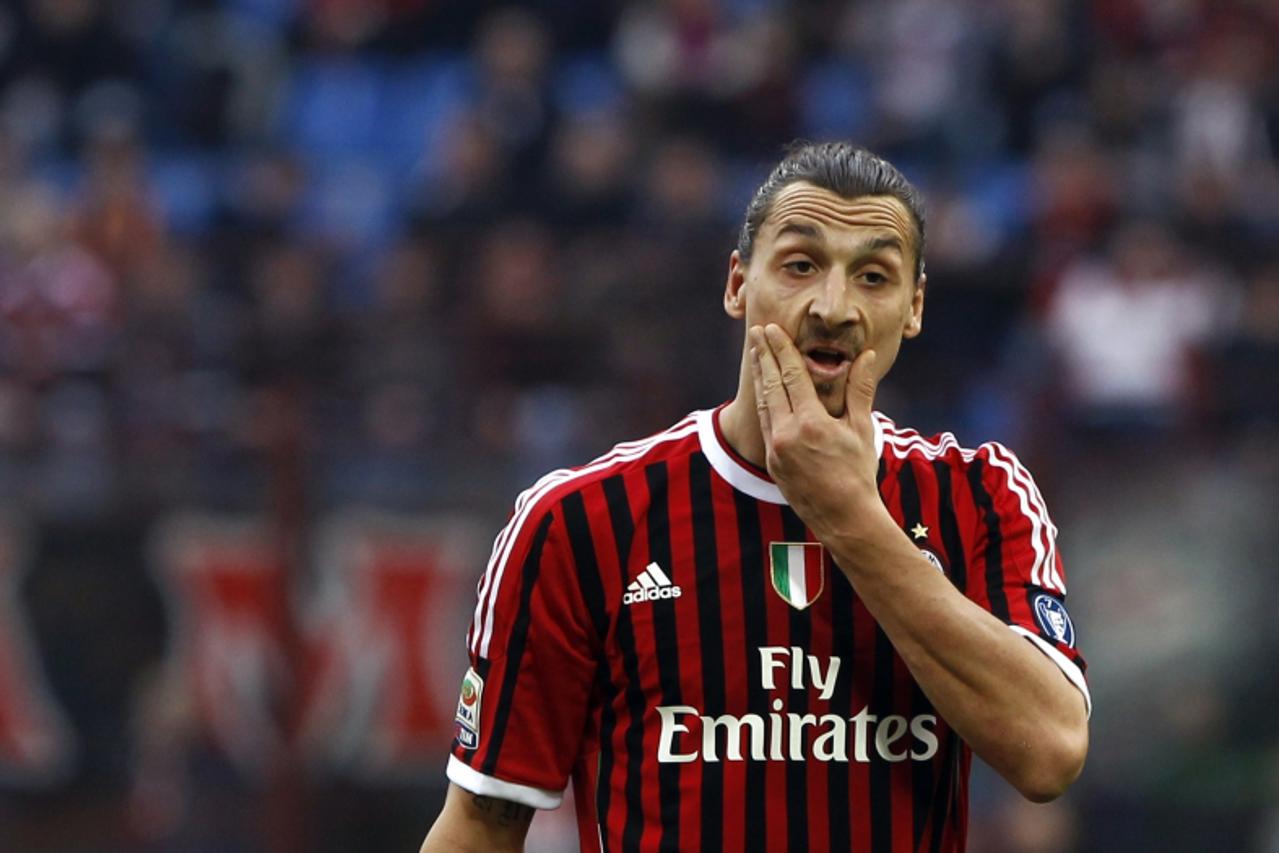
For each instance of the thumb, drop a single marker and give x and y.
(859, 392)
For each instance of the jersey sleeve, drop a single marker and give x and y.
(1019, 572)
(522, 710)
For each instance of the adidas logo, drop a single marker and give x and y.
(651, 585)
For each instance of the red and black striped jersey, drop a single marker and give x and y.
(661, 628)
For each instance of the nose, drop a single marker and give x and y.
(834, 304)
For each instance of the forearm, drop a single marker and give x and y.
(1005, 698)
(470, 823)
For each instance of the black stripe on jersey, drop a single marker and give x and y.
(588, 570)
(711, 638)
(619, 511)
(667, 641)
(588, 576)
(925, 801)
(881, 699)
(959, 779)
(516, 644)
(921, 772)
(909, 489)
(881, 780)
(842, 646)
(951, 540)
(754, 605)
(797, 702)
(994, 541)
(944, 797)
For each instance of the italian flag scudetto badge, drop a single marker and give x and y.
(798, 571)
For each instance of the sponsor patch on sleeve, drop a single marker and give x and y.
(1053, 619)
(468, 710)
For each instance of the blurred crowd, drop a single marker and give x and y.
(288, 256)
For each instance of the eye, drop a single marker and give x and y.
(874, 278)
(800, 267)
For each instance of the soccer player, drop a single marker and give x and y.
(784, 624)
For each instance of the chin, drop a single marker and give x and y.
(832, 402)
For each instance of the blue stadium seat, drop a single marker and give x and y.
(420, 100)
(333, 108)
(185, 186)
(351, 202)
(1000, 192)
(587, 82)
(833, 100)
(277, 13)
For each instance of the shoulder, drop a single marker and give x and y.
(545, 523)
(989, 490)
(990, 461)
(904, 444)
(550, 491)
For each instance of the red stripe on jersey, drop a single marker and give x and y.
(688, 630)
(903, 806)
(819, 807)
(777, 620)
(864, 630)
(902, 500)
(614, 534)
(585, 781)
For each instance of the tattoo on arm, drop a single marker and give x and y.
(503, 812)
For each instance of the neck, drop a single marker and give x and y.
(739, 422)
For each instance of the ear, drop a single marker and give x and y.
(734, 297)
(915, 323)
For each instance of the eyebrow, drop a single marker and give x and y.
(875, 244)
(803, 230)
(869, 247)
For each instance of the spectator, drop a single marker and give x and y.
(1127, 327)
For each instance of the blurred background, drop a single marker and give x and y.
(296, 295)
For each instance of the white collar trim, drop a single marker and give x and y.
(739, 476)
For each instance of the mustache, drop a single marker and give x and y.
(813, 332)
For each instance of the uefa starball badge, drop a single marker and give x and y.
(798, 571)
(468, 710)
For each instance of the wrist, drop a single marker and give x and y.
(864, 525)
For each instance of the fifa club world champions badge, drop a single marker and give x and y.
(798, 571)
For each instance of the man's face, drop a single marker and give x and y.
(838, 275)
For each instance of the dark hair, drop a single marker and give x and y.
(841, 168)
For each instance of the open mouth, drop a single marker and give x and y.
(826, 363)
(827, 357)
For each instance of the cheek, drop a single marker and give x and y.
(766, 305)
(887, 325)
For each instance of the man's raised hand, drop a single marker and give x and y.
(825, 466)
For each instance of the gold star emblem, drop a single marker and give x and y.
(919, 531)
